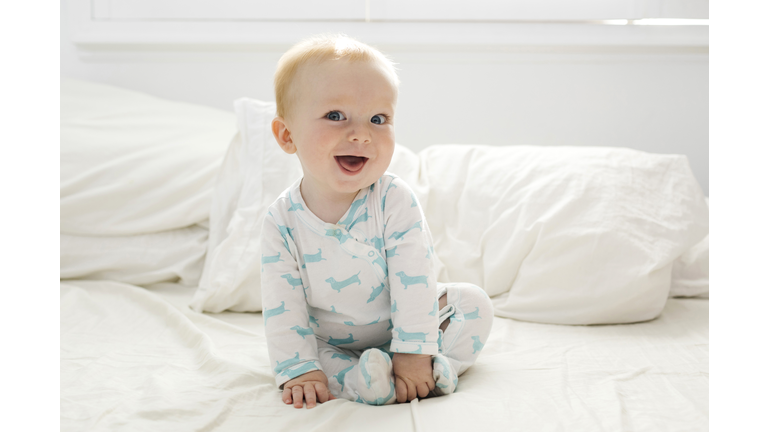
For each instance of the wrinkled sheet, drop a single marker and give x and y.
(140, 359)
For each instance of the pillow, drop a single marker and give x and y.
(690, 272)
(254, 173)
(134, 164)
(168, 256)
(563, 235)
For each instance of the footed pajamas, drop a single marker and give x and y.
(332, 291)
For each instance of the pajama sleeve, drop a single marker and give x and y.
(290, 340)
(413, 286)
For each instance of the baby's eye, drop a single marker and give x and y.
(379, 119)
(335, 116)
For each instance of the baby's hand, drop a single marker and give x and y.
(413, 376)
(312, 386)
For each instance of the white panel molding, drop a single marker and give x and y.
(494, 10)
(229, 10)
(92, 35)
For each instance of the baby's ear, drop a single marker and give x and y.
(283, 135)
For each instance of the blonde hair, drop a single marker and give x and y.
(318, 49)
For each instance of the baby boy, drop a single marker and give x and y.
(352, 308)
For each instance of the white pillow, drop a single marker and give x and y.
(690, 272)
(254, 173)
(168, 256)
(564, 235)
(134, 164)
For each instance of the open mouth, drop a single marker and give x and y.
(351, 164)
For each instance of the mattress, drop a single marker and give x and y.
(136, 358)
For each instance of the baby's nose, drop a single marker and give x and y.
(361, 138)
(360, 135)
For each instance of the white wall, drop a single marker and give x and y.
(648, 93)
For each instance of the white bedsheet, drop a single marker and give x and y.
(139, 359)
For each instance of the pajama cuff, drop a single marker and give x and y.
(296, 370)
(409, 347)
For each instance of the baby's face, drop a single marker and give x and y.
(342, 125)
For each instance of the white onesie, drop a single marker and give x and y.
(330, 281)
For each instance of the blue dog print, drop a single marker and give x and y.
(303, 331)
(476, 345)
(337, 286)
(352, 210)
(294, 206)
(390, 325)
(269, 313)
(384, 198)
(378, 243)
(341, 356)
(282, 365)
(414, 202)
(418, 351)
(317, 257)
(340, 376)
(347, 340)
(285, 231)
(434, 309)
(394, 306)
(473, 315)
(399, 234)
(412, 280)
(292, 281)
(301, 370)
(416, 336)
(338, 234)
(270, 258)
(313, 320)
(362, 218)
(381, 263)
(392, 252)
(376, 292)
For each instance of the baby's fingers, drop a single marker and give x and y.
(298, 395)
(323, 394)
(401, 390)
(309, 394)
(422, 390)
(287, 395)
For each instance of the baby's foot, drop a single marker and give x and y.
(444, 375)
(375, 381)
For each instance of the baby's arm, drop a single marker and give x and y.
(413, 292)
(290, 340)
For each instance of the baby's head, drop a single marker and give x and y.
(336, 102)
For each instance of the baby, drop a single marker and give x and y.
(352, 308)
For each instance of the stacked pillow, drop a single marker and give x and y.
(137, 175)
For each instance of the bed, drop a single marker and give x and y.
(596, 260)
